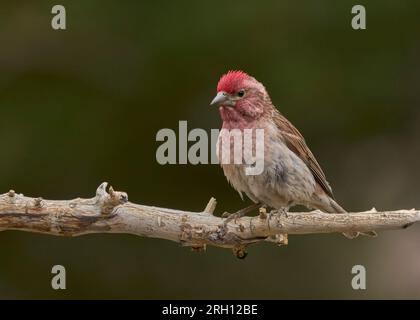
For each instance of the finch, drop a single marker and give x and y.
(291, 175)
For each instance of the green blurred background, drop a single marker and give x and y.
(82, 106)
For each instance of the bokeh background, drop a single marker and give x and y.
(82, 106)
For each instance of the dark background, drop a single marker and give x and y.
(82, 106)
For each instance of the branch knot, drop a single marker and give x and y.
(108, 200)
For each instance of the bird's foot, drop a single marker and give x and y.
(232, 216)
(279, 213)
(238, 214)
(284, 212)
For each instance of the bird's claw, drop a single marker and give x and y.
(230, 216)
(282, 212)
(238, 214)
(278, 214)
(225, 214)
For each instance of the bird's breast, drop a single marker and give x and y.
(285, 178)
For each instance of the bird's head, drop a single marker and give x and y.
(240, 97)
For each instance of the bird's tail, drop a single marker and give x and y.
(334, 207)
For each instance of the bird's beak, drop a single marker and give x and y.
(219, 99)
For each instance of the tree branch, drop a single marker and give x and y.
(110, 212)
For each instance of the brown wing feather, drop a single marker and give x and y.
(296, 142)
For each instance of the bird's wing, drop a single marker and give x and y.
(296, 142)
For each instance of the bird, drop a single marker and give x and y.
(291, 174)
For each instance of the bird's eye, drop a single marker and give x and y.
(241, 93)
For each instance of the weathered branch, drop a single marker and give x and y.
(109, 211)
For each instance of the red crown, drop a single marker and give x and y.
(231, 81)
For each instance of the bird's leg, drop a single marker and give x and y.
(283, 211)
(280, 239)
(279, 212)
(231, 216)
